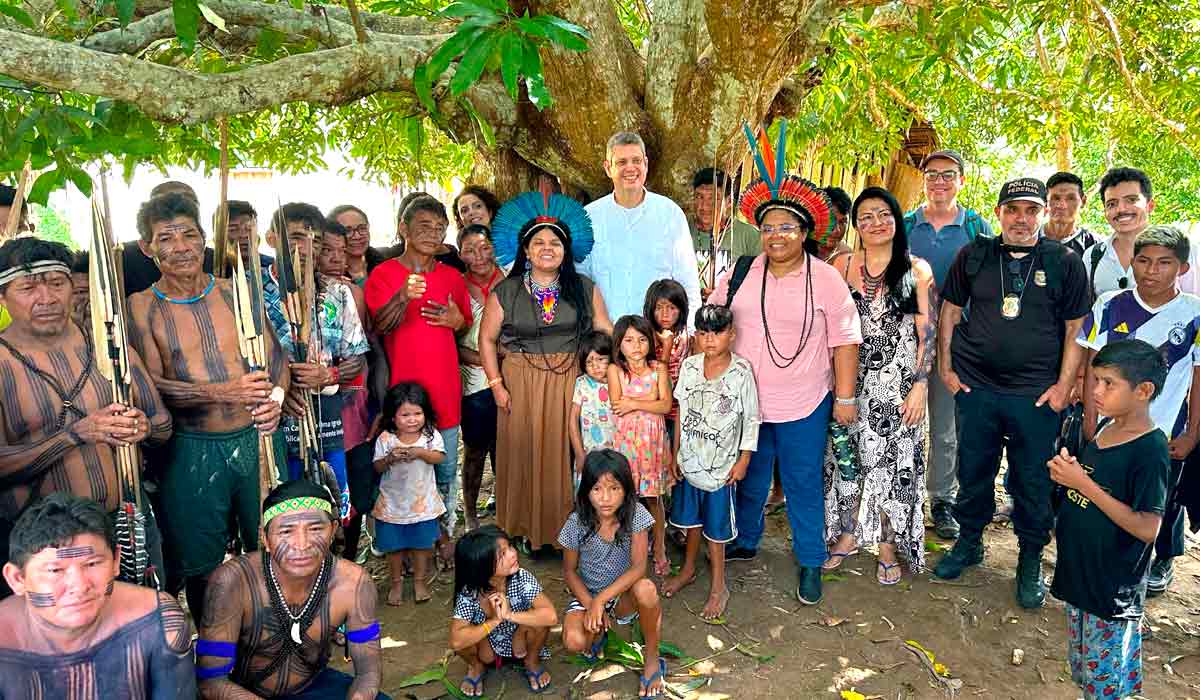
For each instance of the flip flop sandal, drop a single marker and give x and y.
(886, 568)
(597, 649)
(476, 683)
(840, 557)
(647, 682)
(533, 678)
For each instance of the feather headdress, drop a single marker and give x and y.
(522, 213)
(776, 189)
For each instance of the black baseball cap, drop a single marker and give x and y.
(1024, 189)
(945, 153)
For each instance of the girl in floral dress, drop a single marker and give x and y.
(640, 391)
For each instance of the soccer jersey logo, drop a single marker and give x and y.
(1177, 336)
(1121, 328)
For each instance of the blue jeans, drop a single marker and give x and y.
(446, 474)
(799, 446)
(329, 684)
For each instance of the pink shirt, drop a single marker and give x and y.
(794, 392)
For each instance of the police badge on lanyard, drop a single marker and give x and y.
(1010, 308)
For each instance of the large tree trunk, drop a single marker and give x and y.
(708, 66)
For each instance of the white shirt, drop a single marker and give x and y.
(636, 247)
(1109, 272)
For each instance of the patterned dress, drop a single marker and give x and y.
(642, 436)
(891, 477)
(596, 419)
(522, 588)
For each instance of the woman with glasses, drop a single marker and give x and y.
(478, 404)
(882, 503)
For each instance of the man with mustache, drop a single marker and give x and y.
(59, 424)
(184, 327)
(269, 620)
(1128, 201)
(1010, 364)
(73, 632)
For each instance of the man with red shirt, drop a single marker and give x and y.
(418, 304)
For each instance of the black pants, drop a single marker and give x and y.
(1170, 534)
(987, 422)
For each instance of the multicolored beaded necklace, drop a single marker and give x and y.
(546, 297)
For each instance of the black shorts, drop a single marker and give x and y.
(479, 420)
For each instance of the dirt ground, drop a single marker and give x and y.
(855, 639)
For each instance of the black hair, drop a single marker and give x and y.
(8, 195)
(340, 209)
(333, 227)
(405, 201)
(671, 291)
(839, 199)
(801, 216)
(598, 342)
(165, 208)
(475, 560)
(1065, 178)
(489, 199)
(1116, 176)
(81, 263)
(473, 230)
(713, 318)
(595, 466)
(402, 393)
(624, 325)
(240, 207)
(53, 521)
(426, 203)
(174, 187)
(22, 252)
(899, 276)
(299, 488)
(1136, 361)
(712, 176)
(298, 212)
(569, 280)
(1166, 236)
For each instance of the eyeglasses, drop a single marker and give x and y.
(784, 229)
(943, 175)
(1014, 269)
(360, 230)
(884, 217)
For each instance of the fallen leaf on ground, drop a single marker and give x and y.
(827, 621)
(776, 631)
(715, 644)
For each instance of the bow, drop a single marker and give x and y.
(14, 212)
(111, 350)
(221, 244)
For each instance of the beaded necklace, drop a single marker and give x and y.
(545, 297)
(212, 281)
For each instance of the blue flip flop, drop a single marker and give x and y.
(647, 682)
(532, 677)
(886, 568)
(476, 684)
(597, 649)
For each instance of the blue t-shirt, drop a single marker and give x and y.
(940, 247)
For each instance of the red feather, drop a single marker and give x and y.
(768, 155)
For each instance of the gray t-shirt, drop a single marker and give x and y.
(718, 418)
(600, 561)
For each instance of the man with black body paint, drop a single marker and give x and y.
(270, 617)
(72, 632)
(59, 424)
(184, 327)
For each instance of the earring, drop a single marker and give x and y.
(528, 265)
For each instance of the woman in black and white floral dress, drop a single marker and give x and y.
(882, 504)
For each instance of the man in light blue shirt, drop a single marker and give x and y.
(640, 236)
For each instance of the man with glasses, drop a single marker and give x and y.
(1128, 201)
(1010, 365)
(936, 232)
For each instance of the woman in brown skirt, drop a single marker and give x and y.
(538, 315)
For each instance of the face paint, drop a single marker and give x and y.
(40, 600)
(109, 589)
(175, 228)
(287, 528)
(74, 552)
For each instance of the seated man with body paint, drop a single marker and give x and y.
(72, 632)
(270, 616)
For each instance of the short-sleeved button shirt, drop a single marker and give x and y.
(940, 247)
(521, 589)
(600, 561)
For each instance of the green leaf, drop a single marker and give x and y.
(17, 14)
(512, 48)
(472, 64)
(563, 25)
(68, 8)
(535, 83)
(125, 11)
(422, 86)
(434, 673)
(187, 22)
(485, 129)
(212, 17)
(465, 9)
(530, 25)
(450, 50)
(46, 183)
(567, 39)
(81, 180)
(867, 13)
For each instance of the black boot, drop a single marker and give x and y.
(1031, 589)
(808, 591)
(1161, 574)
(944, 523)
(966, 552)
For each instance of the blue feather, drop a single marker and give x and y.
(520, 210)
(780, 169)
(758, 160)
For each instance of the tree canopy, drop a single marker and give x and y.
(418, 90)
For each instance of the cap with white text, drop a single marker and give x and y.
(1023, 189)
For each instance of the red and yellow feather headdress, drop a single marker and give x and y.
(776, 189)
